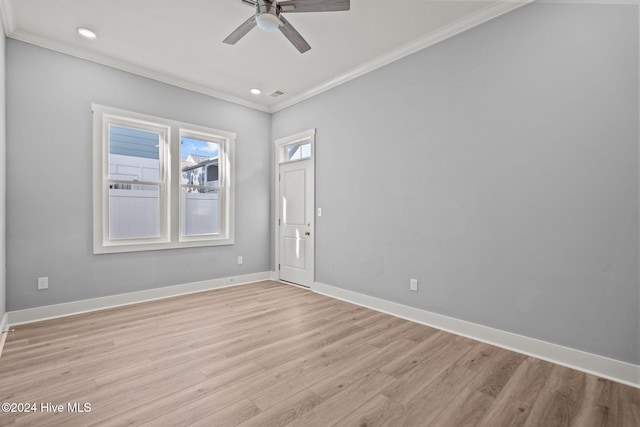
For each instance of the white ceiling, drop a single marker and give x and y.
(180, 41)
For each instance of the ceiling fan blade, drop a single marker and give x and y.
(241, 31)
(294, 36)
(293, 6)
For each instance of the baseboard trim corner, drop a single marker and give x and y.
(4, 330)
(4, 323)
(37, 314)
(601, 366)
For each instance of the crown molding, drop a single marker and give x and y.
(457, 27)
(7, 17)
(130, 68)
(492, 11)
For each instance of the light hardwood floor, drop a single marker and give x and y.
(269, 354)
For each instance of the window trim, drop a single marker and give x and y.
(223, 183)
(301, 137)
(164, 177)
(170, 176)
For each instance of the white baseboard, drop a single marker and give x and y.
(30, 315)
(4, 330)
(615, 370)
(601, 366)
(4, 323)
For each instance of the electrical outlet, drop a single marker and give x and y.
(43, 283)
(413, 285)
(240, 260)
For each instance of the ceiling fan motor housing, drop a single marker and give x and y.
(268, 18)
(267, 15)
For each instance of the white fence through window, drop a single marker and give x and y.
(136, 213)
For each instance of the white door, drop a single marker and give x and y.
(296, 231)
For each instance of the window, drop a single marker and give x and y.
(134, 182)
(160, 184)
(297, 150)
(200, 201)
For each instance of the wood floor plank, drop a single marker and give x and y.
(192, 409)
(425, 370)
(600, 406)
(124, 398)
(466, 409)
(267, 337)
(627, 393)
(230, 416)
(375, 317)
(60, 356)
(436, 393)
(179, 407)
(342, 404)
(494, 368)
(270, 354)
(318, 344)
(25, 388)
(629, 414)
(392, 333)
(513, 405)
(375, 412)
(368, 359)
(560, 399)
(285, 411)
(295, 380)
(498, 373)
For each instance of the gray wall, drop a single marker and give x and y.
(500, 168)
(49, 157)
(3, 177)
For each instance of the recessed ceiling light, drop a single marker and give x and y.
(256, 91)
(87, 33)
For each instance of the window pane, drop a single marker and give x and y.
(140, 161)
(134, 212)
(298, 150)
(199, 162)
(134, 154)
(200, 208)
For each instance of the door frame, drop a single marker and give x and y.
(280, 145)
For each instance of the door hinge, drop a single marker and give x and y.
(278, 221)
(278, 267)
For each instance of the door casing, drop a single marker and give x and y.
(280, 159)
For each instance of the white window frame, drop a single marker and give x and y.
(223, 181)
(170, 132)
(284, 143)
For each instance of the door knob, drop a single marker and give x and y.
(307, 234)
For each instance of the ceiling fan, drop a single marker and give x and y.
(268, 17)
